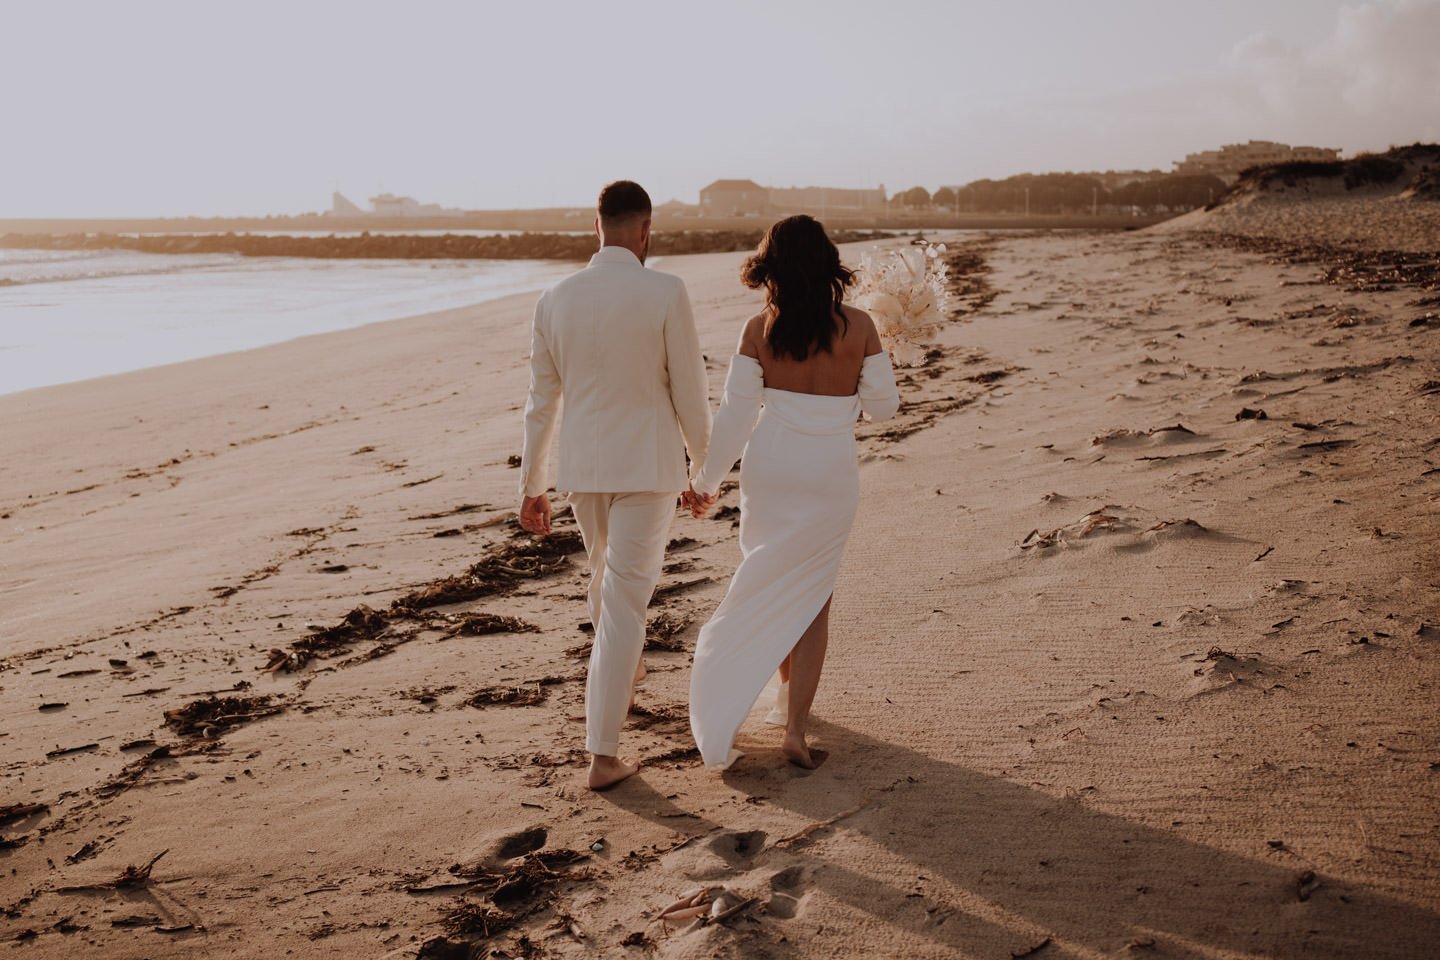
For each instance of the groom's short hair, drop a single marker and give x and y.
(623, 200)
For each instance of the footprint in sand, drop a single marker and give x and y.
(722, 858)
(503, 848)
(520, 842)
(738, 848)
(787, 889)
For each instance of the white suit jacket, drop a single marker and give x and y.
(614, 354)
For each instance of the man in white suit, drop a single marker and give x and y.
(614, 354)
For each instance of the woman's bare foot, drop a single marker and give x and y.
(798, 753)
(640, 672)
(605, 772)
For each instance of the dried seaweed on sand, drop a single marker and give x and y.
(681, 586)
(133, 771)
(513, 894)
(500, 572)
(476, 919)
(664, 629)
(362, 623)
(132, 876)
(481, 624)
(522, 696)
(531, 878)
(19, 811)
(1083, 527)
(213, 714)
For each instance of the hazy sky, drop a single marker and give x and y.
(148, 108)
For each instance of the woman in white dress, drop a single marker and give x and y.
(805, 368)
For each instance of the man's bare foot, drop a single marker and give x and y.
(798, 753)
(605, 772)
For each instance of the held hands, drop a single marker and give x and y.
(535, 514)
(698, 504)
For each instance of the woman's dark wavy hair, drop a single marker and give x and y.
(804, 283)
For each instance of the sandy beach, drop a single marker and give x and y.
(1134, 651)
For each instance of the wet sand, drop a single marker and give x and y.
(1134, 649)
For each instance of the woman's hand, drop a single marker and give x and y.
(696, 503)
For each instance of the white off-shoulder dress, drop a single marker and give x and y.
(799, 489)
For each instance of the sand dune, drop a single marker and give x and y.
(1385, 202)
(1117, 666)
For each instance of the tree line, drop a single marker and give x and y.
(1062, 193)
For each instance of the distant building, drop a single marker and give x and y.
(389, 205)
(746, 198)
(734, 198)
(1227, 162)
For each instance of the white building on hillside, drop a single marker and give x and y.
(1227, 162)
(389, 205)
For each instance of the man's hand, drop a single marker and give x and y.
(698, 504)
(535, 514)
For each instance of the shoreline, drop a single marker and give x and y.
(657, 259)
(522, 300)
(74, 317)
(1092, 737)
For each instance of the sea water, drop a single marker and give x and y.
(69, 315)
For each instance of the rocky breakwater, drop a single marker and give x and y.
(523, 246)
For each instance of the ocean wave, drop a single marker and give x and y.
(22, 267)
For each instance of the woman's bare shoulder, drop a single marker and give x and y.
(863, 327)
(753, 335)
(858, 317)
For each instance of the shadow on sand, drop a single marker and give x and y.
(1032, 866)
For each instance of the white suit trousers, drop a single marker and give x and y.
(624, 536)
